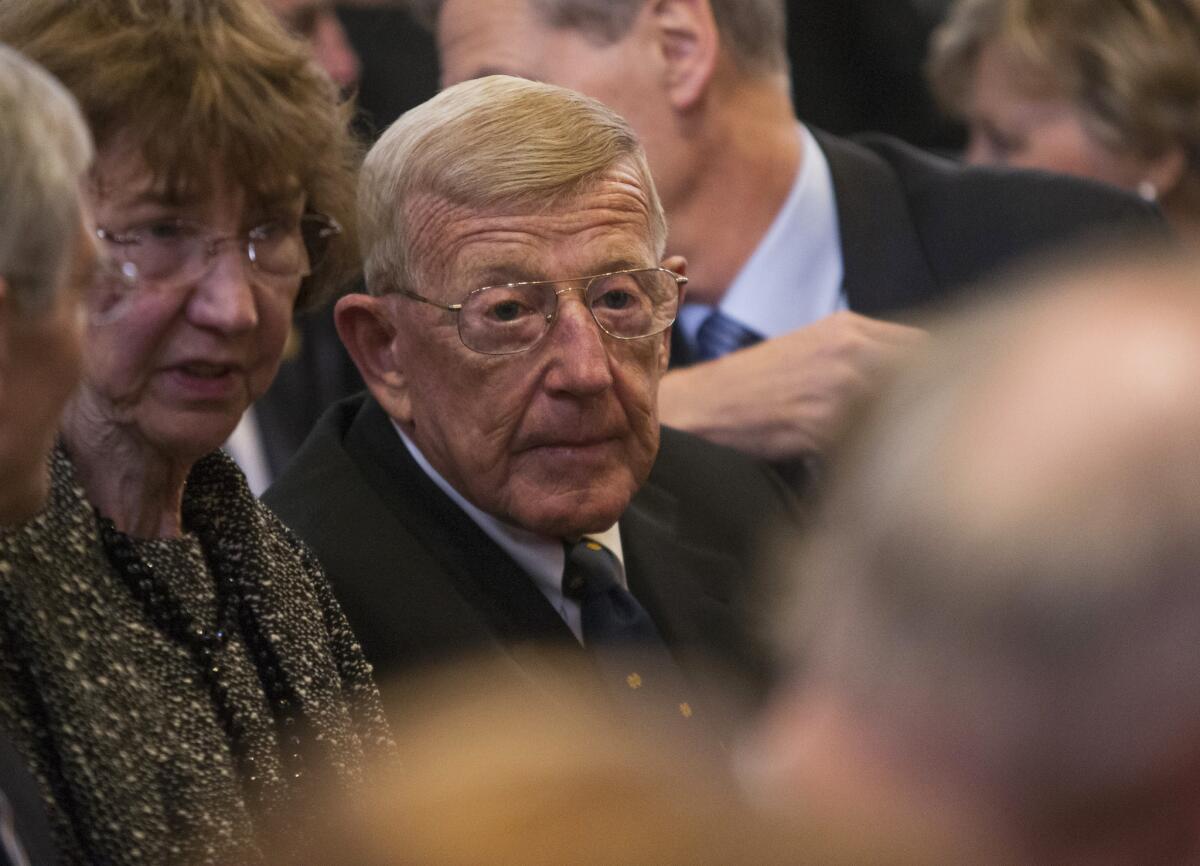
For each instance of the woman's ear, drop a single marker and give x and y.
(687, 36)
(365, 325)
(1164, 172)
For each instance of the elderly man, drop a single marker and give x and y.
(516, 330)
(791, 235)
(997, 632)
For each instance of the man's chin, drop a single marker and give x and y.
(561, 514)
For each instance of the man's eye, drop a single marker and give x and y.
(615, 299)
(508, 311)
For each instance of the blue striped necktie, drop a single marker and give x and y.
(719, 335)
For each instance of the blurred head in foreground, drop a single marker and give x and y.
(47, 256)
(495, 776)
(997, 617)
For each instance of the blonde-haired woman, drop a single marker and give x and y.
(1108, 89)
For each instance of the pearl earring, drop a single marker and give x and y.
(1148, 191)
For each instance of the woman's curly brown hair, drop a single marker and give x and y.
(198, 83)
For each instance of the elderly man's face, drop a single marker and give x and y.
(558, 438)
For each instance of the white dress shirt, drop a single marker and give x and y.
(542, 558)
(245, 446)
(794, 276)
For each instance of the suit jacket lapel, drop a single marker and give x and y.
(885, 268)
(480, 570)
(683, 584)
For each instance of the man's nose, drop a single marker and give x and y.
(579, 362)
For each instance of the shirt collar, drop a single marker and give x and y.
(541, 557)
(794, 276)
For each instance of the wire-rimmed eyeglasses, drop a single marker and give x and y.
(180, 251)
(514, 317)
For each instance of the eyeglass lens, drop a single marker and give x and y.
(500, 320)
(179, 251)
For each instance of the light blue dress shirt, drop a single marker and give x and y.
(794, 276)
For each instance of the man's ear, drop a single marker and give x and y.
(678, 264)
(687, 36)
(365, 324)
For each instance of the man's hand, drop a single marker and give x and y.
(789, 396)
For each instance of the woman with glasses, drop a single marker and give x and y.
(172, 662)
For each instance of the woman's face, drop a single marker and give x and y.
(1011, 123)
(177, 363)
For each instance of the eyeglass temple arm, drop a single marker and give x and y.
(454, 308)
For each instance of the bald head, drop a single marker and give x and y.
(1084, 406)
(1007, 566)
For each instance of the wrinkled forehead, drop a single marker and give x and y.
(604, 226)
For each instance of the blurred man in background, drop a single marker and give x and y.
(317, 22)
(803, 248)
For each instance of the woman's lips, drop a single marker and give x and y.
(204, 380)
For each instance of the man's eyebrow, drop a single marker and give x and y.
(498, 275)
(621, 264)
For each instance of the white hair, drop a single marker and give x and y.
(45, 149)
(485, 142)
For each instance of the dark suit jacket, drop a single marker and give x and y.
(421, 583)
(916, 228)
(316, 372)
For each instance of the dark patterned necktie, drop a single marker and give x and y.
(619, 635)
(610, 615)
(719, 335)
